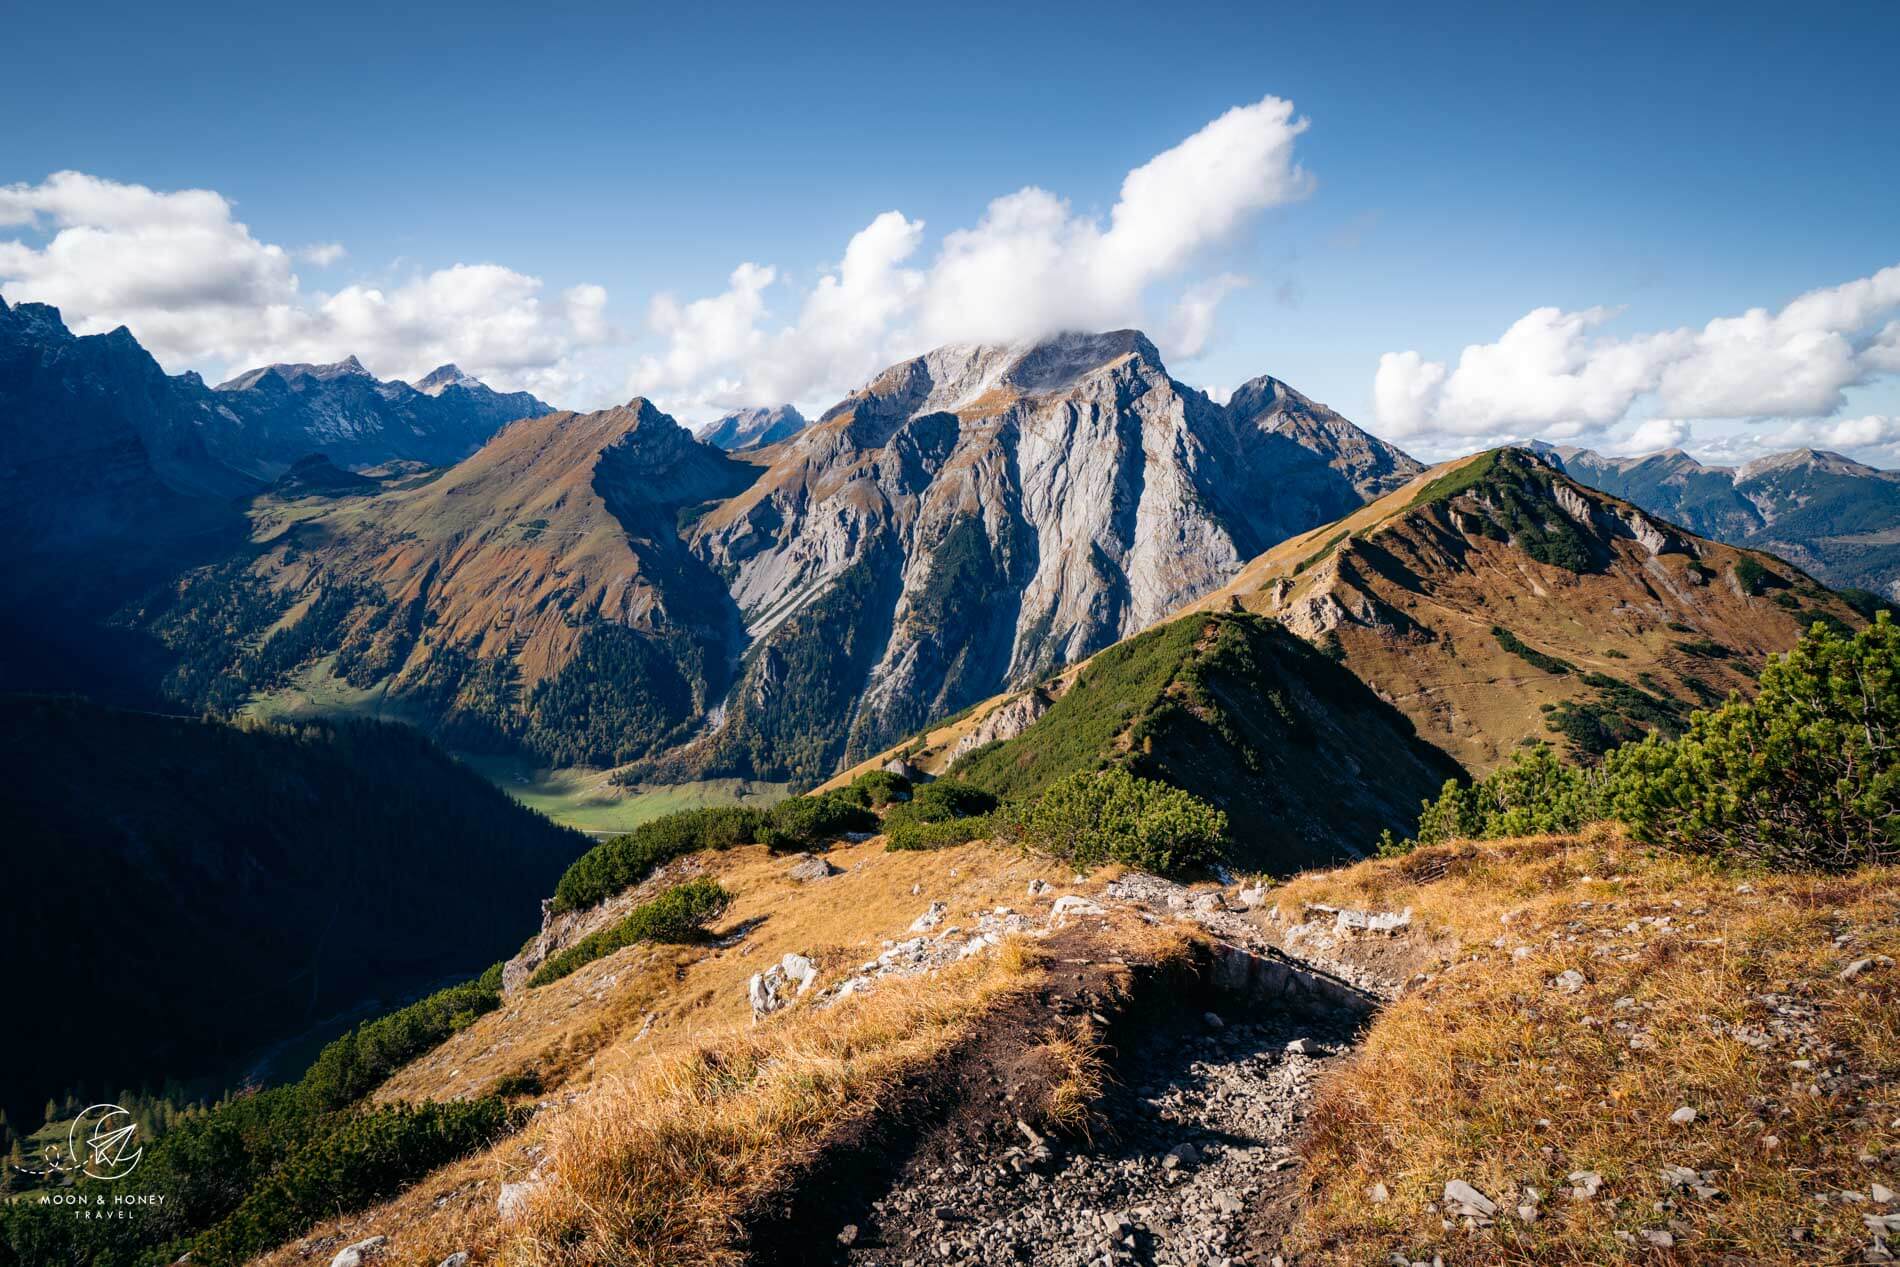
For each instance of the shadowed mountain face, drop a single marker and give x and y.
(105, 487)
(280, 413)
(114, 474)
(1829, 514)
(605, 588)
(201, 890)
(1498, 602)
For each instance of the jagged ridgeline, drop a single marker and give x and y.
(604, 589)
(196, 891)
(1307, 764)
(1831, 515)
(1498, 603)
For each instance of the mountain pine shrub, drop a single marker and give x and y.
(370, 1156)
(1805, 775)
(620, 863)
(803, 821)
(677, 915)
(877, 788)
(1090, 818)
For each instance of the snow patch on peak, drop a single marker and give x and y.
(443, 377)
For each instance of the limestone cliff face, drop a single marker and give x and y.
(995, 511)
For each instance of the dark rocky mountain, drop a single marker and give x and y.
(754, 428)
(604, 588)
(106, 486)
(115, 475)
(1500, 602)
(264, 419)
(1833, 516)
(198, 890)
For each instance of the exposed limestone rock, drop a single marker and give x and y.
(1005, 721)
(512, 1202)
(1004, 509)
(779, 984)
(360, 1253)
(811, 867)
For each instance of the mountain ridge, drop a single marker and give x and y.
(1497, 602)
(1821, 510)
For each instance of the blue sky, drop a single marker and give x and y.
(1459, 170)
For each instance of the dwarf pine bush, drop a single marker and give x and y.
(1805, 775)
(1090, 818)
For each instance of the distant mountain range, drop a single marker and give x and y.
(1829, 514)
(279, 413)
(113, 473)
(604, 588)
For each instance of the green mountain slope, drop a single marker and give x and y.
(1307, 763)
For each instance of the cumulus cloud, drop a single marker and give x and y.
(1556, 372)
(1653, 435)
(1031, 265)
(1872, 432)
(198, 289)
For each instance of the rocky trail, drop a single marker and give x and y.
(1190, 1163)
(1199, 1078)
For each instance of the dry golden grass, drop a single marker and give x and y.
(1488, 1073)
(654, 1169)
(663, 1036)
(1080, 1060)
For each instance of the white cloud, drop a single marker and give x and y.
(1875, 431)
(1553, 370)
(1029, 266)
(323, 254)
(199, 290)
(1191, 324)
(1652, 435)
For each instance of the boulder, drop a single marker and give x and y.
(778, 985)
(359, 1253)
(811, 867)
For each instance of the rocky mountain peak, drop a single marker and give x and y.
(443, 377)
(298, 374)
(1821, 460)
(753, 428)
(41, 322)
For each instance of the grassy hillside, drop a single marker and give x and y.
(1497, 603)
(207, 889)
(1304, 760)
(1577, 996)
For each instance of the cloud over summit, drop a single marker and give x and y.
(1031, 265)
